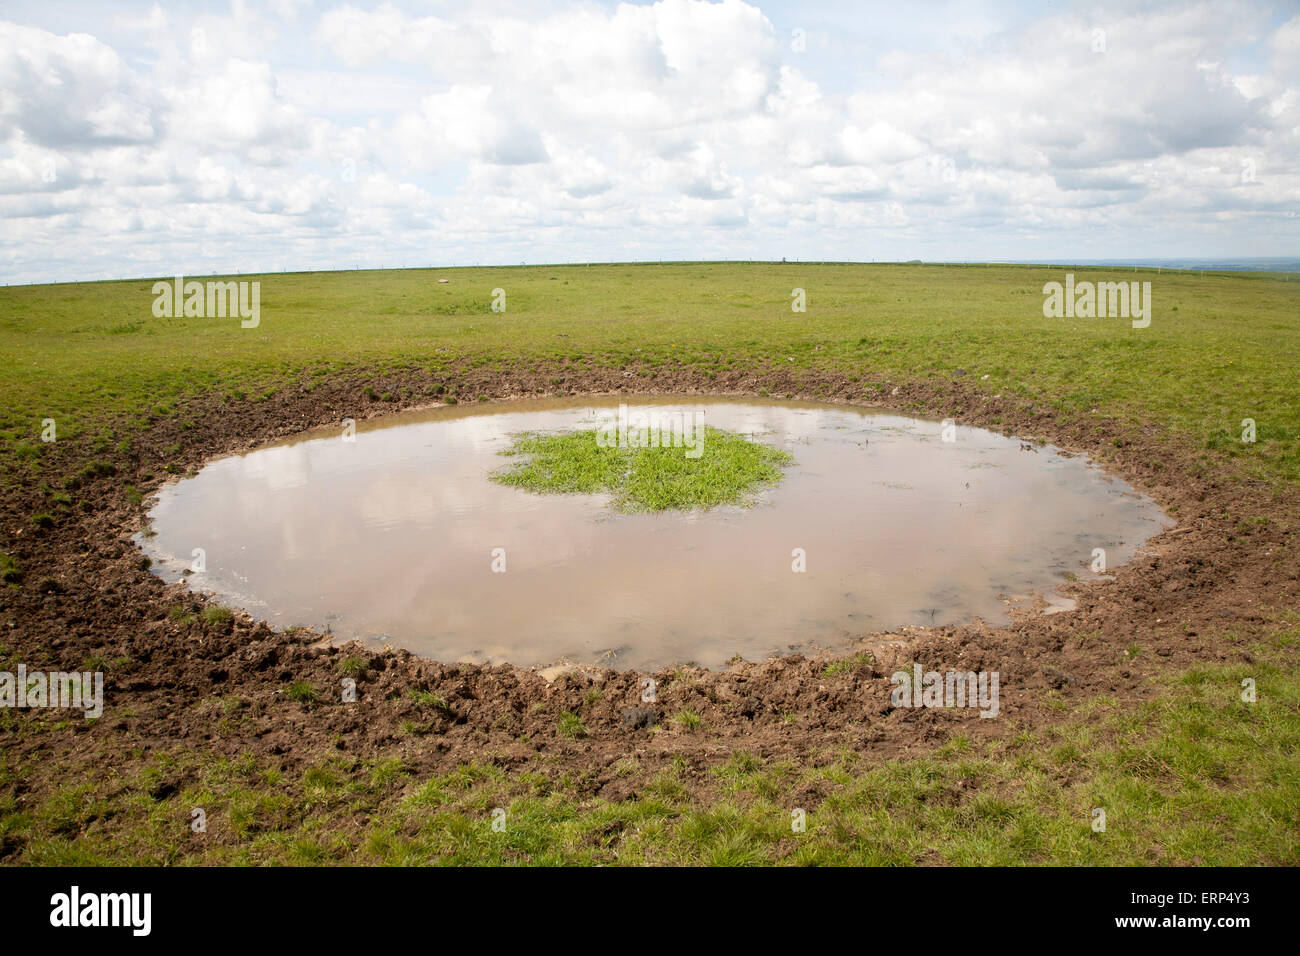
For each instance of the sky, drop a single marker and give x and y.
(150, 139)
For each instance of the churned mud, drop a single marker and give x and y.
(1196, 593)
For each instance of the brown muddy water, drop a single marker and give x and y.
(391, 537)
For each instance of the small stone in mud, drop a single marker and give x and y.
(1058, 678)
(639, 718)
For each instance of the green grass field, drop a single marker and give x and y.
(1220, 348)
(1191, 776)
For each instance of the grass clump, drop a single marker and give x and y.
(571, 725)
(179, 614)
(303, 691)
(427, 698)
(687, 719)
(848, 665)
(352, 666)
(729, 470)
(217, 614)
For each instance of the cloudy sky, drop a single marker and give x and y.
(150, 139)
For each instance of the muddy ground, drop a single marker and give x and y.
(1201, 593)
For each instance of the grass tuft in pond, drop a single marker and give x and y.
(730, 470)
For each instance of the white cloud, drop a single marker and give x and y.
(238, 108)
(283, 135)
(68, 92)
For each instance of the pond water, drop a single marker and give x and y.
(392, 537)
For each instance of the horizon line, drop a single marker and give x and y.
(1139, 264)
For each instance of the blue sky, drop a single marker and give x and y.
(150, 139)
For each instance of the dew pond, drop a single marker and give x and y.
(391, 537)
